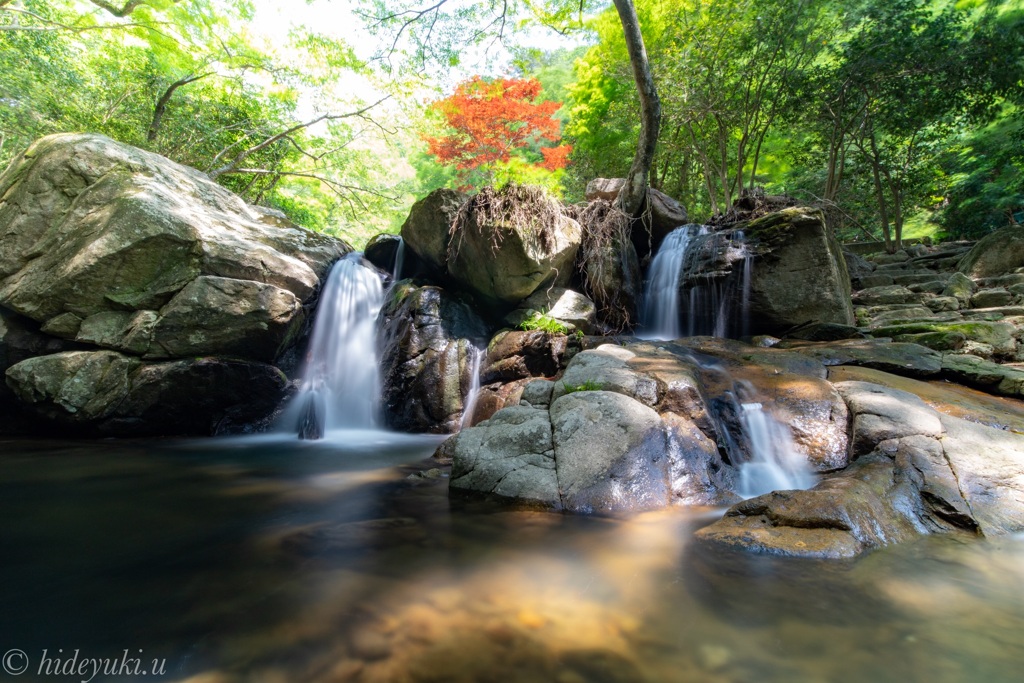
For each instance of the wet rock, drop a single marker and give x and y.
(881, 413)
(495, 396)
(611, 453)
(982, 374)
(606, 368)
(899, 358)
(381, 251)
(510, 455)
(521, 354)
(998, 335)
(841, 517)
(824, 332)
(426, 231)
(110, 393)
(427, 338)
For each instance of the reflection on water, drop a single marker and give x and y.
(263, 559)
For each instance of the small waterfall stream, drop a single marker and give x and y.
(469, 403)
(688, 293)
(340, 385)
(775, 464)
(396, 273)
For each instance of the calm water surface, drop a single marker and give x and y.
(277, 561)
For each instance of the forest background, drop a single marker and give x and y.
(900, 117)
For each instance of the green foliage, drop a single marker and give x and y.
(545, 323)
(589, 385)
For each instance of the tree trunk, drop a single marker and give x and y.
(632, 198)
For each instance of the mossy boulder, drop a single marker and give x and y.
(799, 273)
(998, 335)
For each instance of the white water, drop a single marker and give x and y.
(340, 387)
(396, 273)
(661, 296)
(775, 464)
(469, 403)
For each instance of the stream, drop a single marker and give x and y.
(273, 559)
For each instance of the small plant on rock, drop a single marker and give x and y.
(545, 323)
(589, 385)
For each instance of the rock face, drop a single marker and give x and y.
(119, 249)
(512, 242)
(916, 471)
(799, 273)
(428, 341)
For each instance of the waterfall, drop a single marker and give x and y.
(661, 296)
(694, 288)
(340, 384)
(469, 404)
(774, 463)
(396, 273)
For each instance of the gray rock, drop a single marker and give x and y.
(427, 339)
(912, 360)
(799, 274)
(222, 316)
(564, 305)
(872, 280)
(427, 228)
(510, 455)
(961, 287)
(537, 393)
(538, 244)
(611, 453)
(881, 413)
(607, 369)
(892, 294)
(997, 253)
(989, 298)
(942, 303)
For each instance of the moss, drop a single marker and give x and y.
(545, 323)
(589, 385)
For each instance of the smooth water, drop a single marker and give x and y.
(340, 381)
(775, 464)
(680, 300)
(396, 273)
(473, 394)
(274, 560)
(661, 315)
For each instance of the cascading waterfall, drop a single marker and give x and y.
(469, 404)
(340, 384)
(680, 299)
(774, 463)
(396, 273)
(661, 296)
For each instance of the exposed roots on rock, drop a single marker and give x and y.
(526, 209)
(606, 230)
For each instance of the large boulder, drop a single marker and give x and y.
(509, 242)
(105, 392)
(116, 248)
(799, 273)
(92, 225)
(429, 341)
(995, 254)
(427, 229)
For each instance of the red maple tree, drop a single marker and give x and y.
(493, 120)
